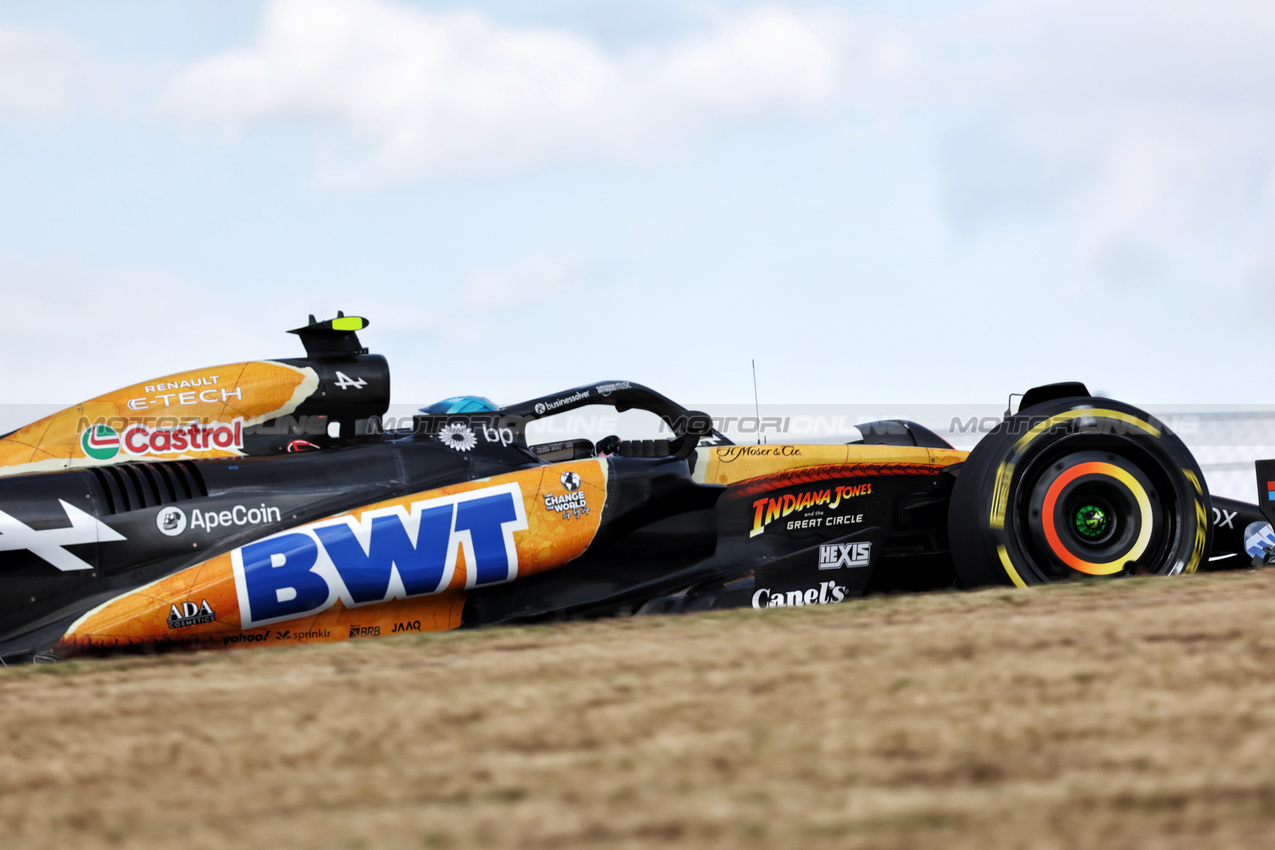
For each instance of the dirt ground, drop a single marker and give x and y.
(1108, 714)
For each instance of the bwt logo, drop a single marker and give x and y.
(389, 553)
(834, 556)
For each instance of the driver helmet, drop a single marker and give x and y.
(460, 404)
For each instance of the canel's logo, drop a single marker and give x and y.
(388, 553)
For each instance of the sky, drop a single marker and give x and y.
(936, 205)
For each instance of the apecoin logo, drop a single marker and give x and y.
(171, 521)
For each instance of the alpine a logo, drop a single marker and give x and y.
(834, 556)
(48, 543)
(388, 553)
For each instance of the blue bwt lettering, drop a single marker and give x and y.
(367, 574)
(483, 519)
(283, 585)
(304, 571)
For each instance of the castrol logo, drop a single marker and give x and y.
(140, 440)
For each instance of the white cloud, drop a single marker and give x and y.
(437, 91)
(768, 57)
(40, 72)
(1148, 125)
(1140, 134)
(1151, 122)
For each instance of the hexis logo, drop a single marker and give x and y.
(100, 442)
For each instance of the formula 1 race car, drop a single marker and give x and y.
(264, 503)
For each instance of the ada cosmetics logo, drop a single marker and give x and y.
(171, 521)
(190, 614)
(834, 556)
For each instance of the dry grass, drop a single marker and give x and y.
(1128, 714)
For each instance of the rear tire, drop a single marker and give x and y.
(1073, 488)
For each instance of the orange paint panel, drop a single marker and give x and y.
(246, 393)
(561, 509)
(732, 464)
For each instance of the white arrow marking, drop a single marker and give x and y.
(47, 543)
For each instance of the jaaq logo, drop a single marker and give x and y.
(101, 442)
(387, 553)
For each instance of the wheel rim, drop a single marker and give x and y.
(1092, 522)
(1092, 512)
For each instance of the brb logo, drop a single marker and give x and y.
(389, 553)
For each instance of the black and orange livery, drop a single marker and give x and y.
(263, 504)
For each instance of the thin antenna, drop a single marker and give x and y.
(756, 403)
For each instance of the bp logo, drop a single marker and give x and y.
(101, 442)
